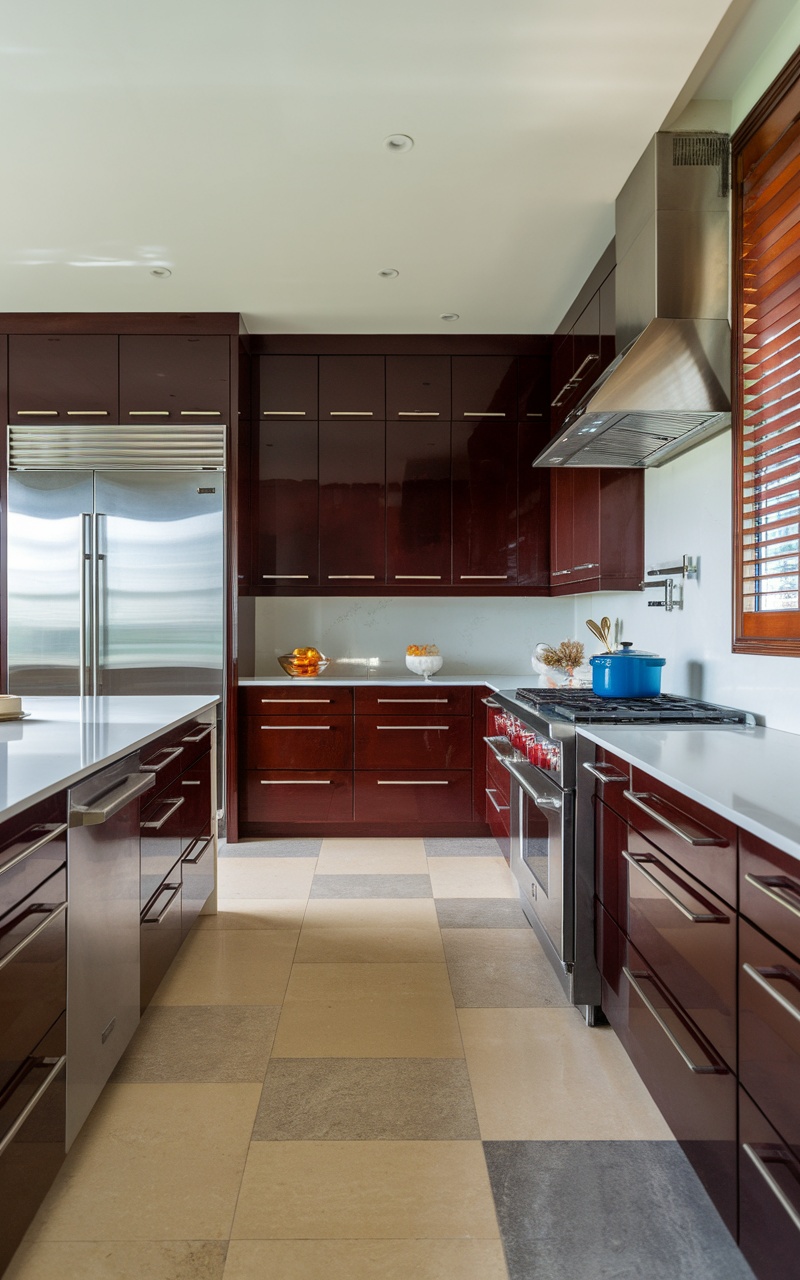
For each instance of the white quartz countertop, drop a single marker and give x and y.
(749, 775)
(528, 680)
(65, 739)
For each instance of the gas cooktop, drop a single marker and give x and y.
(580, 706)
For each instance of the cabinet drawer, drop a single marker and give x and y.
(34, 853)
(612, 777)
(175, 751)
(392, 700)
(160, 935)
(292, 796)
(413, 742)
(610, 869)
(687, 936)
(298, 699)
(33, 972)
(699, 840)
(291, 742)
(413, 796)
(194, 786)
(769, 890)
(689, 1082)
(197, 878)
(498, 778)
(769, 1196)
(769, 1030)
(161, 840)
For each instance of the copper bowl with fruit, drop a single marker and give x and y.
(304, 663)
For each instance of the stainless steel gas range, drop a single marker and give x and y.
(551, 820)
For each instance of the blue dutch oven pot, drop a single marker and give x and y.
(628, 673)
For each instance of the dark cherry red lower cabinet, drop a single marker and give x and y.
(769, 1195)
(413, 742)
(280, 799)
(413, 796)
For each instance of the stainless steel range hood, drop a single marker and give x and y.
(669, 389)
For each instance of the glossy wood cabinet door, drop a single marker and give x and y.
(418, 502)
(608, 311)
(575, 525)
(586, 348)
(769, 1195)
(246, 506)
(275, 799)
(484, 503)
(417, 387)
(352, 504)
(533, 391)
(484, 386)
(287, 523)
(299, 742)
(769, 1030)
(171, 378)
(287, 387)
(413, 741)
(65, 378)
(352, 387)
(562, 557)
(410, 796)
(533, 507)
(563, 365)
(420, 699)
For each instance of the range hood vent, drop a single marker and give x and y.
(669, 389)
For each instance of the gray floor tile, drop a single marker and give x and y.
(607, 1211)
(305, 848)
(500, 969)
(200, 1044)
(485, 847)
(353, 1099)
(367, 886)
(480, 913)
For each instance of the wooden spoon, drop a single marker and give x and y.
(600, 632)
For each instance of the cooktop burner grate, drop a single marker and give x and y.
(583, 707)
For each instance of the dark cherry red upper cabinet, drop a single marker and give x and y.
(484, 503)
(533, 507)
(352, 504)
(417, 387)
(65, 378)
(245, 503)
(562, 542)
(171, 378)
(586, 523)
(245, 385)
(352, 387)
(418, 503)
(287, 536)
(561, 387)
(608, 320)
(533, 388)
(484, 385)
(288, 387)
(586, 346)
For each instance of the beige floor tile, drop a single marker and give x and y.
(365, 945)
(371, 913)
(230, 967)
(254, 913)
(543, 1075)
(365, 1190)
(471, 878)
(153, 1161)
(120, 1260)
(365, 1260)
(356, 983)
(372, 857)
(266, 877)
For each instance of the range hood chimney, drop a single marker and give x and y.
(669, 389)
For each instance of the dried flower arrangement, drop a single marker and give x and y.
(568, 654)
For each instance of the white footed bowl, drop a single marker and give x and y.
(426, 667)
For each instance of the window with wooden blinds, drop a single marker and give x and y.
(767, 359)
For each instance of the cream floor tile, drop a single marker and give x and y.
(371, 913)
(542, 1074)
(471, 878)
(372, 857)
(120, 1260)
(266, 877)
(357, 983)
(254, 913)
(230, 967)
(368, 945)
(153, 1161)
(365, 1260)
(365, 1190)
(397, 1027)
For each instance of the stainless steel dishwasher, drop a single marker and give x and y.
(102, 930)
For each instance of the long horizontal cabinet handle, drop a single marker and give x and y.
(776, 973)
(87, 413)
(501, 808)
(174, 804)
(172, 753)
(279, 728)
(303, 576)
(198, 737)
(418, 577)
(51, 912)
(614, 776)
(192, 782)
(192, 858)
(779, 889)
(420, 728)
(201, 413)
(592, 565)
(296, 782)
(483, 577)
(418, 413)
(352, 413)
(700, 1069)
(37, 413)
(284, 413)
(763, 1154)
(280, 700)
(49, 833)
(438, 783)
(707, 917)
(427, 701)
(484, 414)
(55, 1065)
(148, 413)
(638, 798)
(173, 890)
(362, 577)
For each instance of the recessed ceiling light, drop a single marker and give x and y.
(161, 273)
(388, 273)
(398, 142)
(449, 315)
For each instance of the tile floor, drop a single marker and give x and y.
(363, 1069)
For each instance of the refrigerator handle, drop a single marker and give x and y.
(85, 594)
(98, 602)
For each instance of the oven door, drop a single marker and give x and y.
(542, 826)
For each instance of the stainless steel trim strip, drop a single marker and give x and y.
(773, 1185)
(714, 917)
(501, 808)
(91, 815)
(83, 596)
(103, 446)
(173, 890)
(50, 834)
(697, 1068)
(10, 1134)
(52, 914)
(761, 976)
(176, 804)
(637, 798)
(768, 885)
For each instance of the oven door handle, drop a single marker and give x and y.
(543, 802)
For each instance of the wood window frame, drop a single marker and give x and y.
(760, 632)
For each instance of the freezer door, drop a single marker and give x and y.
(158, 582)
(49, 550)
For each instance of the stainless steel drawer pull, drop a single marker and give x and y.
(483, 577)
(201, 413)
(418, 413)
(778, 888)
(172, 754)
(764, 1153)
(419, 728)
(87, 413)
(382, 783)
(638, 798)
(578, 374)
(174, 807)
(352, 413)
(278, 728)
(50, 833)
(90, 815)
(148, 413)
(37, 413)
(364, 577)
(485, 414)
(490, 702)
(297, 782)
(778, 973)
(559, 573)
(205, 842)
(614, 776)
(284, 700)
(501, 808)
(405, 701)
(707, 917)
(302, 576)
(198, 737)
(51, 913)
(544, 802)
(191, 782)
(417, 577)
(284, 413)
(173, 890)
(700, 1069)
(592, 565)
(55, 1065)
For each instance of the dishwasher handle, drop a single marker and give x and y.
(91, 815)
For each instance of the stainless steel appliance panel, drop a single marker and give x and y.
(542, 823)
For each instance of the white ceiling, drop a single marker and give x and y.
(240, 143)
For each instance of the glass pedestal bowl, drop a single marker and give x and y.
(424, 666)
